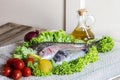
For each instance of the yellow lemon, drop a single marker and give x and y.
(45, 66)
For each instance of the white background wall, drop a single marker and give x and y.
(40, 13)
(49, 14)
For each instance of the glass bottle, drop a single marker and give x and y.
(82, 30)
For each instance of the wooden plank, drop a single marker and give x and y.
(6, 27)
(14, 34)
(11, 33)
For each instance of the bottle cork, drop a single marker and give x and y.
(82, 12)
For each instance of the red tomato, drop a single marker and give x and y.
(6, 71)
(15, 59)
(26, 71)
(11, 61)
(29, 60)
(19, 64)
(16, 74)
(6, 65)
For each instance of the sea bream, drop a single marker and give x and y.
(67, 55)
(50, 50)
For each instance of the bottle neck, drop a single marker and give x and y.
(82, 21)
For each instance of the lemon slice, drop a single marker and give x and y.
(34, 56)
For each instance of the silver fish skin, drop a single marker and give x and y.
(48, 50)
(40, 46)
(67, 55)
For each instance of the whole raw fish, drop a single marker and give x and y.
(47, 50)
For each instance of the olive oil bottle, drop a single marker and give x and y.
(82, 31)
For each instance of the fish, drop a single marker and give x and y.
(68, 55)
(72, 54)
(47, 50)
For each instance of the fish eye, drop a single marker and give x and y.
(57, 58)
(42, 52)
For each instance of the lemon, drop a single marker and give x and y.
(34, 56)
(45, 66)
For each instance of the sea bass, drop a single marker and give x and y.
(47, 50)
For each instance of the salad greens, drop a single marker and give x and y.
(65, 68)
(21, 52)
(46, 36)
(91, 55)
(106, 44)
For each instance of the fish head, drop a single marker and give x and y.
(60, 55)
(48, 52)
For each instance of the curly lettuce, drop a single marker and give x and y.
(105, 44)
(47, 36)
(21, 52)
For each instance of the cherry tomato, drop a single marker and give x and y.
(26, 71)
(6, 71)
(16, 74)
(6, 65)
(11, 61)
(29, 60)
(19, 64)
(15, 59)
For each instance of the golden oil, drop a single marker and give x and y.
(82, 34)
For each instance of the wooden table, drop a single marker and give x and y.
(12, 32)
